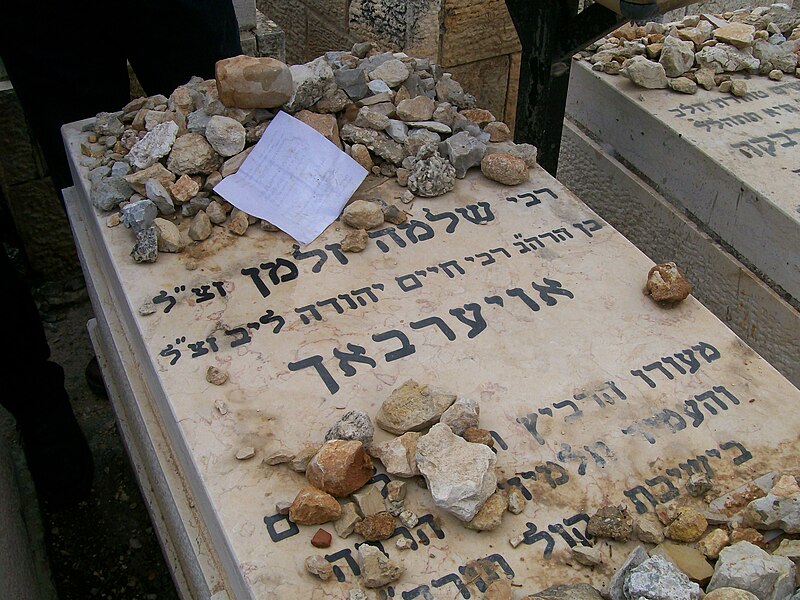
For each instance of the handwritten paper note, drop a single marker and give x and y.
(294, 178)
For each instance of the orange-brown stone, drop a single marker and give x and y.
(314, 507)
(340, 467)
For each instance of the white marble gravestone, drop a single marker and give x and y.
(519, 297)
(733, 163)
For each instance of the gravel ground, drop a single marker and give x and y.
(105, 547)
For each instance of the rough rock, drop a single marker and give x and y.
(689, 560)
(431, 175)
(377, 141)
(355, 241)
(379, 526)
(730, 594)
(588, 556)
(476, 435)
(393, 72)
(774, 512)
(683, 85)
(462, 414)
(463, 151)
(398, 455)
(689, 525)
(516, 500)
(659, 579)
(615, 587)
(644, 73)
(353, 82)
(108, 124)
(139, 215)
(139, 179)
(785, 486)
(216, 376)
(312, 506)
(397, 130)
(705, 78)
(739, 35)
(192, 154)
(499, 589)
(168, 236)
(245, 453)
(346, 523)
(231, 166)
(317, 565)
(614, 522)
(226, 135)
(324, 124)
(321, 539)
(216, 213)
(724, 58)
(713, 543)
(460, 475)
(416, 109)
(309, 82)
(184, 189)
(369, 501)
(789, 549)
(394, 215)
(408, 519)
(200, 227)
(677, 56)
(354, 425)
(490, 516)
(782, 57)
(526, 152)
(246, 82)
(747, 534)
(648, 532)
(578, 591)
(108, 192)
(449, 90)
(498, 132)
(698, 485)
(239, 223)
(504, 168)
(145, 250)
(747, 567)
(667, 283)
(376, 569)
(363, 214)
(738, 87)
(418, 138)
(278, 457)
(412, 407)
(340, 467)
(371, 119)
(159, 196)
(153, 146)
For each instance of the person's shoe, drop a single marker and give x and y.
(94, 378)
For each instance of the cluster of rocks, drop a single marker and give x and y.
(703, 50)
(437, 440)
(743, 547)
(158, 160)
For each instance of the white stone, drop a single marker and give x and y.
(644, 73)
(460, 475)
(773, 512)
(226, 135)
(677, 56)
(392, 72)
(462, 414)
(153, 146)
(658, 579)
(724, 58)
(748, 567)
(376, 569)
(398, 455)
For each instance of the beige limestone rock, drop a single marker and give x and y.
(247, 82)
(460, 475)
(200, 227)
(498, 132)
(476, 435)
(729, 593)
(689, 560)
(589, 556)
(398, 455)
(416, 109)
(168, 236)
(216, 213)
(738, 87)
(713, 543)
(340, 467)
(705, 78)
(481, 116)
(138, 179)
(499, 590)
(648, 532)
(346, 523)
(317, 565)
(379, 526)
(376, 569)
(192, 154)
(667, 283)
(226, 135)
(239, 223)
(785, 486)
(323, 123)
(360, 154)
(688, 526)
(363, 214)
(302, 457)
(312, 506)
(644, 73)
(412, 407)
(490, 516)
(747, 534)
(504, 168)
(736, 34)
(355, 241)
(683, 85)
(230, 166)
(516, 500)
(369, 500)
(216, 376)
(184, 189)
(462, 414)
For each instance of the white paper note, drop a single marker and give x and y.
(294, 178)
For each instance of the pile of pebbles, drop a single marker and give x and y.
(155, 163)
(703, 50)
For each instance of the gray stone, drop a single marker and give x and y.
(579, 591)
(462, 414)
(773, 512)
(371, 119)
(615, 587)
(748, 567)
(781, 56)
(698, 484)
(463, 151)
(200, 227)
(146, 247)
(369, 500)
(216, 213)
(724, 58)
(460, 475)
(471, 128)
(644, 73)
(361, 49)
(677, 56)
(196, 121)
(379, 86)
(659, 579)
(168, 236)
(354, 425)
(98, 173)
(139, 215)
(309, 82)
(192, 154)
(153, 146)
(377, 141)
(446, 114)
(397, 130)
(449, 90)
(433, 126)
(108, 123)
(417, 138)
(431, 174)
(377, 569)
(353, 82)
(120, 169)
(226, 135)
(158, 195)
(108, 192)
(393, 72)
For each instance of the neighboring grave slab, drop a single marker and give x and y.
(734, 163)
(520, 297)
